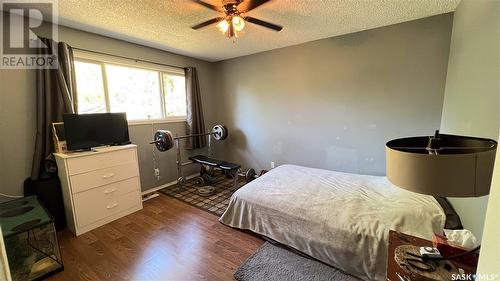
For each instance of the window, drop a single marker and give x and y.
(135, 91)
(144, 91)
(175, 94)
(90, 88)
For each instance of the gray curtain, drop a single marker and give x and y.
(55, 95)
(195, 121)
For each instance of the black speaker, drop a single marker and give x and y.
(49, 193)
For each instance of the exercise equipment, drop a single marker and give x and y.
(227, 167)
(164, 140)
(220, 132)
(211, 162)
(250, 174)
(206, 190)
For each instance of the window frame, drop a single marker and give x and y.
(102, 60)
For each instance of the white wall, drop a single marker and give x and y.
(489, 259)
(471, 100)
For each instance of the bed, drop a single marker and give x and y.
(338, 218)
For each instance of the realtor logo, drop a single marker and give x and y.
(20, 46)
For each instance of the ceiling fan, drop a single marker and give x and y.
(233, 20)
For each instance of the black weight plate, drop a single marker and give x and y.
(250, 175)
(163, 140)
(207, 179)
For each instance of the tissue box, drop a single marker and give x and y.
(447, 250)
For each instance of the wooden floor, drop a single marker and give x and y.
(167, 240)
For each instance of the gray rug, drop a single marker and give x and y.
(275, 263)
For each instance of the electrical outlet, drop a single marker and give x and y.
(157, 172)
(272, 165)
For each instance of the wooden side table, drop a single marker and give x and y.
(401, 272)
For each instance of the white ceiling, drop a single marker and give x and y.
(165, 24)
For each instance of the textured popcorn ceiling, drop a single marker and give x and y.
(165, 24)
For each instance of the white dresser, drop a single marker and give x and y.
(99, 186)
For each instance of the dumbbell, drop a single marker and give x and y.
(205, 179)
(250, 174)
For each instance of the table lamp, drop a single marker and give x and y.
(442, 165)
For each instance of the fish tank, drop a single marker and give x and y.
(30, 240)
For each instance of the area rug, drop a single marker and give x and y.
(275, 263)
(215, 204)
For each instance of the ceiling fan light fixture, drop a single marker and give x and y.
(223, 26)
(231, 23)
(238, 23)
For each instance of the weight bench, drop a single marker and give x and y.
(223, 165)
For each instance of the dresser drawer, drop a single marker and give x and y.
(82, 182)
(89, 163)
(99, 203)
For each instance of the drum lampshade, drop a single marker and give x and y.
(442, 165)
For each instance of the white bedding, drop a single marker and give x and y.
(339, 218)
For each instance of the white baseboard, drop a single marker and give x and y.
(155, 189)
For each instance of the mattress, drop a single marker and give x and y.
(341, 219)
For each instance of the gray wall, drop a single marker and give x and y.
(17, 111)
(333, 103)
(472, 96)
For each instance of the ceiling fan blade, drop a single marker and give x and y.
(205, 23)
(210, 6)
(248, 5)
(264, 23)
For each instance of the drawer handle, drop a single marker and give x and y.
(108, 176)
(110, 191)
(111, 206)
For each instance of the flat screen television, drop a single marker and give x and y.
(85, 131)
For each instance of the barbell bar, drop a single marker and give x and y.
(164, 139)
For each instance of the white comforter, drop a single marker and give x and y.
(341, 219)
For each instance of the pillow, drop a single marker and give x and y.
(452, 218)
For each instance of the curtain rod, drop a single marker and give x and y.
(118, 56)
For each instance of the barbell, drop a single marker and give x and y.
(164, 139)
